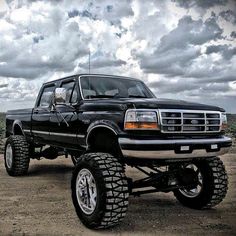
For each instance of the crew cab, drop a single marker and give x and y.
(106, 122)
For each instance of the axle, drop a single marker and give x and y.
(163, 181)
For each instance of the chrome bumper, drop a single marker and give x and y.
(174, 148)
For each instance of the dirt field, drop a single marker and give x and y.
(40, 203)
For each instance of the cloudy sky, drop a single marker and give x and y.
(181, 49)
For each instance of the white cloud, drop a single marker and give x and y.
(166, 43)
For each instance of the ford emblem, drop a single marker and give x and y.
(194, 122)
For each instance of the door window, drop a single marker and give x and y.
(46, 97)
(71, 92)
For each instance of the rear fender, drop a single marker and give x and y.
(17, 125)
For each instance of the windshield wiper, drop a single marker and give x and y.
(100, 96)
(137, 96)
(114, 96)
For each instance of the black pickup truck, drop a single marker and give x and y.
(105, 123)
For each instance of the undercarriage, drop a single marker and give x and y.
(163, 179)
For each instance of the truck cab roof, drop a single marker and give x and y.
(92, 75)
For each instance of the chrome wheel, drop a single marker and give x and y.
(86, 191)
(9, 156)
(191, 193)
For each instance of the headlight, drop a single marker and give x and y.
(223, 121)
(140, 119)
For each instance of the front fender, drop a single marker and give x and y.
(106, 124)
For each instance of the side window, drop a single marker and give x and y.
(71, 92)
(46, 97)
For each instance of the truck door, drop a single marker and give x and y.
(41, 114)
(64, 118)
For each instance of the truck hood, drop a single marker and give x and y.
(148, 103)
(172, 104)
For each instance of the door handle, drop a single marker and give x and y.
(36, 111)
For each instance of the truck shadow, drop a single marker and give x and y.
(50, 169)
(159, 212)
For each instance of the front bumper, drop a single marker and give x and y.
(174, 148)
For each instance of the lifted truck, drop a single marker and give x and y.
(107, 122)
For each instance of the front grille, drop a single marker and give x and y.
(187, 121)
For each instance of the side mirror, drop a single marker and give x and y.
(60, 96)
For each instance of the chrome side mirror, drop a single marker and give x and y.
(60, 96)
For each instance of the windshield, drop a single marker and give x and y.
(113, 87)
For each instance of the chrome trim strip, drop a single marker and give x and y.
(27, 131)
(40, 132)
(171, 154)
(55, 134)
(188, 111)
(174, 141)
(63, 135)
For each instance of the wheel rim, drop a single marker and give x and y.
(86, 191)
(9, 156)
(191, 193)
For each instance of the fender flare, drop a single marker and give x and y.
(102, 123)
(18, 123)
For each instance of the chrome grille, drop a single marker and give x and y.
(187, 121)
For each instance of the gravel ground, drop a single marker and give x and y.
(40, 203)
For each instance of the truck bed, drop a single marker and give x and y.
(20, 116)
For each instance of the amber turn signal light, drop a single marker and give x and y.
(141, 125)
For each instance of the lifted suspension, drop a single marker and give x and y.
(162, 181)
